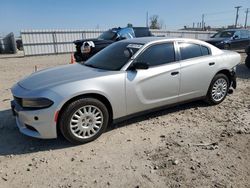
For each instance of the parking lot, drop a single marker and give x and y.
(190, 145)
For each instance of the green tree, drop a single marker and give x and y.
(154, 22)
(129, 25)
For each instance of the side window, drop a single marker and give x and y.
(237, 33)
(126, 35)
(158, 54)
(189, 50)
(244, 34)
(205, 50)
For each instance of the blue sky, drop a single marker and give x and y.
(77, 14)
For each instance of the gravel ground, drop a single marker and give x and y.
(190, 145)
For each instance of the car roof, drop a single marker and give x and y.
(145, 40)
(236, 30)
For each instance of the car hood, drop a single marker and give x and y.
(60, 75)
(96, 41)
(215, 40)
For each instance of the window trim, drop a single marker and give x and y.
(176, 58)
(209, 50)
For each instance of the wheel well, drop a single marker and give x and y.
(99, 97)
(227, 73)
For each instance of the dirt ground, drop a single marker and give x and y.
(190, 145)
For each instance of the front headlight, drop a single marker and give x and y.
(85, 49)
(36, 103)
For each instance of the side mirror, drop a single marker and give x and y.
(236, 37)
(122, 38)
(140, 65)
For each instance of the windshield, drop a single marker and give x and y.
(224, 34)
(113, 57)
(108, 35)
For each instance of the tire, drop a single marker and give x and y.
(226, 47)
(84, 120)
(247, 50)
(219, 83)
(247, 62)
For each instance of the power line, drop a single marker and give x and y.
(218, 20)
(203, 22)
(216, 13)
(147, 19)
(237, 15)
(246, 18)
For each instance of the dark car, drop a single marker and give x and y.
(247, 61)
(231, 39)
(88, 47)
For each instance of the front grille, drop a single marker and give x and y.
(18, 100)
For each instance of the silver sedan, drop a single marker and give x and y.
(125, 79)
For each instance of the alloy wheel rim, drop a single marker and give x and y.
(86, 122)
(219, 89)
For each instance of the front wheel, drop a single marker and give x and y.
(84, 120)
(226, 47)
(218, 89)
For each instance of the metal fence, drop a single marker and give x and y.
(202, 35)
(42, 42)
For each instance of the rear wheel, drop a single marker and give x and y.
(218, 89)
(247, 50)
(226, 46)
(84, 120)
(247, 62)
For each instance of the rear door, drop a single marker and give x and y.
(239, 41)
(198, 67)
(156, 86)
(245, 37)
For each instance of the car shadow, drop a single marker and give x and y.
(242, 71)
(12, 142)
(11, 56)
(158, 113)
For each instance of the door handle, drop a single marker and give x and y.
(174, 73)
(212, 63)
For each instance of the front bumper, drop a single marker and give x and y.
(79, 57)
(35, 123)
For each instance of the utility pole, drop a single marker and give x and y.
(246, 18)
(147, 19)
(237, 15)
(203, 17)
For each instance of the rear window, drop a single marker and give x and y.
(205, 50)
(244, 34)
(189, 50)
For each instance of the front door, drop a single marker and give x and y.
(238, 42)
(156, 86)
